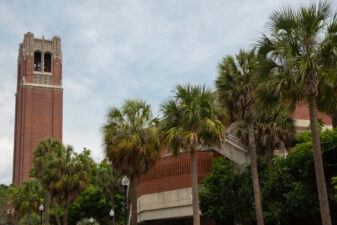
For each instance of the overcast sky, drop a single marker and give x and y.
(119, 49)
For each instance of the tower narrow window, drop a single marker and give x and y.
(47, 62)
(37, 61)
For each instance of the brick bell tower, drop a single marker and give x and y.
(38, 100)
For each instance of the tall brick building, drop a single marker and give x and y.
(38, 100)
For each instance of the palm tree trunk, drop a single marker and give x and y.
(334, 120)
(46, 219)
(195, 196)
(255, 176)
(134, 200)
(319, 171)
(56, 212)
(65, 215)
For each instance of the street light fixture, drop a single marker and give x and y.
(125, 183)
(91, 220)
(41, 208)
(112, 213)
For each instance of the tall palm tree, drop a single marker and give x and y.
(42, 149)
(236, 85)
(298, 45)
(67, 174)
(108, 181)
(131, 143)
(192, 119)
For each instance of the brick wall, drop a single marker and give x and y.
(39, 117)
(173, 172)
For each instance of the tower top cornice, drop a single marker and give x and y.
(30, 44)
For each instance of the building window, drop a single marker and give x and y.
(47, 62)
(37, 61)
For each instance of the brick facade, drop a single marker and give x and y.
(39, 103)
(173, 172)
(302, 113)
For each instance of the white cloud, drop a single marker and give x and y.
(6, 159)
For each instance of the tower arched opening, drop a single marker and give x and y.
(37, 61)
(47, 62)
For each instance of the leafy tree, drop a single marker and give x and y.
(297, 46)
(287, 185)
(5, 197)
(108, 181)
(42, 149)
(32, 219)
(132, 143)
(28, 198)
(236, 85)
(226, 196)
(192, 119)
(334, 182)
(93, 203)
(67, 174)
(289, 193)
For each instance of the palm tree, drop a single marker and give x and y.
(28, 198)
(67, 174)
(236, 85)
(298, 45)
(42, 149)
(192, 119)
(327, 94)
(274, 128)
(131, 143)
(108, 181)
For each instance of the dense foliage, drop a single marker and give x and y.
(5, 196)
(225, 185)
(288, 187)
(92, 202)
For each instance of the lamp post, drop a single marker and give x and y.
(91, 220)
(125, 183)
(41, 208)
(112, 213)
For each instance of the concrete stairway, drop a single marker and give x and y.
(232, 147)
